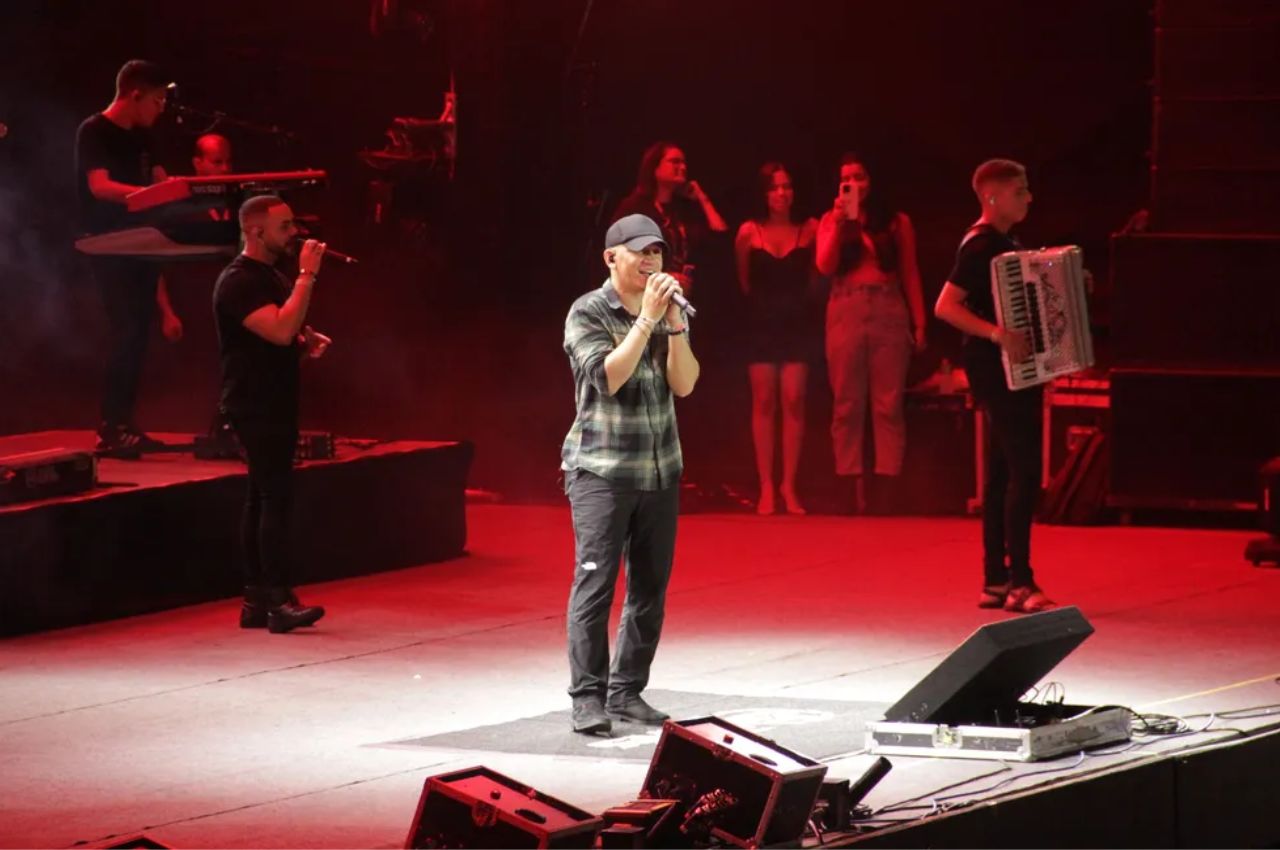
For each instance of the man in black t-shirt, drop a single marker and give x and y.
(114, 157)
(262, 337)
(1013, 417)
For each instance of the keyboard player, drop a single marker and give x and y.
(115, 155)
(1013, 418)
(211, 157)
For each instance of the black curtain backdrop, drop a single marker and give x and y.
(451, 327)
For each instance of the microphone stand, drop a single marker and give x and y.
(216, 118)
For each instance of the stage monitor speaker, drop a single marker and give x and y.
(734, 786)
(479, 807)
(45, 474)
(982, 679)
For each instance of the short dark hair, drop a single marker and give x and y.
(256, 206)
(997, 171)
(139, 75)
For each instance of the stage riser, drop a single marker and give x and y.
(1222, 797)
(152, 548)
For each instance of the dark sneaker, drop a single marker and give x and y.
(124, 442)
(993, 596)
(589, 717)
(636, 710)
(1028, 600)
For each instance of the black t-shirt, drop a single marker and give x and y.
(972, 273)
(259, 379)
(127, 155)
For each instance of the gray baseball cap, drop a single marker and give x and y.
(635, 232)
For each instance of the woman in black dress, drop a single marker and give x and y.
(775, 261)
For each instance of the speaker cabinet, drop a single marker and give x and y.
(938, 475)
(479, 807)
(734, 786)
(1191, 439)
(1222, 60)
(1195, 300)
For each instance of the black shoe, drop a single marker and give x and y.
(636, 710)
(124, 442)
(589, 717)
(254, 608)
(287, 613)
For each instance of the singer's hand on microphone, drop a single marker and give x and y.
(675, 313)
(657, 295)
(310, 255)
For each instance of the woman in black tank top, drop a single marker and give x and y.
(775, 262)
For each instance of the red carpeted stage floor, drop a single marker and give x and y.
(180, 724)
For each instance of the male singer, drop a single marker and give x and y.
(263, 337)
(628, 345)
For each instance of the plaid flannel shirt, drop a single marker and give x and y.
(629, 438)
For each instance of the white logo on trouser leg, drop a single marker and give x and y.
(588, 565)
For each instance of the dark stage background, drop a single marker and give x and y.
(451, 328)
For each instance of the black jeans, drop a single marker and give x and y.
(608, 522)
(268, 507)
(128, 290)
(1013, 420)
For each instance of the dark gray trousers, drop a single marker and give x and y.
(610, 522)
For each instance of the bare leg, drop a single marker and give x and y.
(794, 378)
(764, 411)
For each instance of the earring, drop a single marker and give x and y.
(991, 200)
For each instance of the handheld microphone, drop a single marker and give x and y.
(681, 301)
(340, 257)
(331, 253)
(684, 304)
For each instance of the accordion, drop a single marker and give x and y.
(1041, 293)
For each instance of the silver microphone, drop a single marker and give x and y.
(681, 301)
(331, 253)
